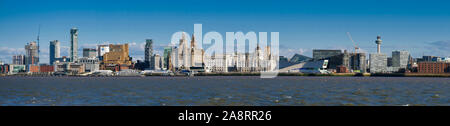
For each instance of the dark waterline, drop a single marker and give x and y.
(223, 90)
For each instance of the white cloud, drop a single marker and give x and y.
(6, 53)
(438, 48)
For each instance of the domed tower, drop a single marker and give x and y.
(378, 42)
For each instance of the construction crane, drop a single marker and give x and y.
(354, 43)
(355, 53)
(39, 33)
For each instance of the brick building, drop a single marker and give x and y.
(33, 68)
(47, 68)
(433, 67)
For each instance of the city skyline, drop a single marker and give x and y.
(421, 29)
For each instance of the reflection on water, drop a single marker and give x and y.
(237, 90)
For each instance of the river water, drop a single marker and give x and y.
(223, 90)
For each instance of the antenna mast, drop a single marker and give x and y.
(39, 33)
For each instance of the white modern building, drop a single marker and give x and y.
(319, 67)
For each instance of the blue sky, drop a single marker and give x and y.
(421, 27)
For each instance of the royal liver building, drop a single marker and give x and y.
(184, 57)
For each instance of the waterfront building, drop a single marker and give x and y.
(32, 68)
(73, 44)
(14, 68)
(181, 54)
(102, 49)
(378, 63)
(148, 52)
(117, 58)
(389, 61)
(118, 54)
(90, 64)
(156, 62)
(319, 66)
(184, 57)
(69, 67)
(62, 59)
(18, 59)
(89, 53)
(357, 62)
(54, 51)
(335, 57)
(433, 67)
(47, 68)
(4, 68)
(166, 57)
(192, 58)
(400, 59)
(342, 69)
(32, 55)
(218, 63)
(196, 54)
(242, 62)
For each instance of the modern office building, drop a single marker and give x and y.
(73, 44)
(32, 55)
(335, 57)
(149, 52)
(400, 59)
(156, 62)
(389, 61)
(18, 59)
(428, 58)
(14, 69)
(89, 53)
(319, 66)
(166, 57)
(378, 63)
(102, 50)
(54, 51)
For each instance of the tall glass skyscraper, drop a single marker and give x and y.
(148, 51)
(54, 51)
(74, 44)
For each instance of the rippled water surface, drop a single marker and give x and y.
(236, 90)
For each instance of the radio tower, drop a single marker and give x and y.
(378, 42)
(39, 32)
